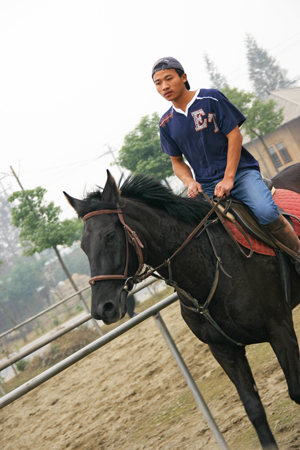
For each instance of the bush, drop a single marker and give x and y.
(22, 365)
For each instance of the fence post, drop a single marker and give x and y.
(190, 381)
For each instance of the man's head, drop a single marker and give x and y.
(169, 63)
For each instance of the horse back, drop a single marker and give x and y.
(288, 178)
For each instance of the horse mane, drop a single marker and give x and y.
(157, 195)
(153, 193)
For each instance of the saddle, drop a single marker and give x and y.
(236, 211)
(261, 240)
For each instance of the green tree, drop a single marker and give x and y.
(262, 115)
(20, 287)
(218, 81)
(263, 118)
(22, 365)
(19, 298)
(265, 73)
(40, 226)
(76, 262)
(240, 98)
(141, 152)
(10, 247)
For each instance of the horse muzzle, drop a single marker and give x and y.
(111, 311)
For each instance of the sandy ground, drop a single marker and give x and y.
(130, 395)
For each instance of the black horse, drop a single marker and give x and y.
(249, 307)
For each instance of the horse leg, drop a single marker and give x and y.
(284, 342)
(234, 362)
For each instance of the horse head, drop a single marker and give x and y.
(105, 241)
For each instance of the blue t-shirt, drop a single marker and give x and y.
(200, 134)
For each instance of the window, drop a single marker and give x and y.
(283, 153)
(279, 154)
(275, 158)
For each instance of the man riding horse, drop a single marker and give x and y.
(203, 126)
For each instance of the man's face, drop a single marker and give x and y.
(169, 84)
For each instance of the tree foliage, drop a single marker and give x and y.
(265, 73)
(39, 222)
(76, 262)
(10, 247)
(240, 98)
(40, 226)
(141, 152)
(20, 287)
(262, 118)
(19, 296)
(218, 81)
(262, 115)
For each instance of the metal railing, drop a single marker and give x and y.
(100, 342)
(64, 330)
(36, 316)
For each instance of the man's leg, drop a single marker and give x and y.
(250, 188)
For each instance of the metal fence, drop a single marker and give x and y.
(36, 316)
(108, 337)
(61, 332)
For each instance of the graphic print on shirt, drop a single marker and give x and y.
(166, 118)
(212, 117)
(201, 123)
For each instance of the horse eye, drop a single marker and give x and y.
(110, 237)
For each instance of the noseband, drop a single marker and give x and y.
(131, 238)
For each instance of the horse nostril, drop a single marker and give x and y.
(107, 308)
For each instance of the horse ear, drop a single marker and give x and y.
(78, 205)
(110, 192)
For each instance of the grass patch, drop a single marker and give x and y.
(175, 410)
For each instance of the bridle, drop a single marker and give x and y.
(131, 238)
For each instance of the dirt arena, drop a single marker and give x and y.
(130, 395)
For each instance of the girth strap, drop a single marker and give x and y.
(203, 309)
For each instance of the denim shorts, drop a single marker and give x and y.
(251, 190)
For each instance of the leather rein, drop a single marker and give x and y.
(132, 238)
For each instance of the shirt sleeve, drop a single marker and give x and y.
(228, 116)
(168, 145)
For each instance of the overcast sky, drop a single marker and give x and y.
(75, 75)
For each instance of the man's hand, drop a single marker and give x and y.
(235, 140)
(194, 188)
(224, 187)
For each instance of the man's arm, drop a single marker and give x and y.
(183, 172)
(235, 140)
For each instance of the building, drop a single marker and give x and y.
(284, 143)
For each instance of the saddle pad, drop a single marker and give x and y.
(289, 201)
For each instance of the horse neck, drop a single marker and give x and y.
(160, 233)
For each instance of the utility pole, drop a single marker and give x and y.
(16, 177)
(114, 158)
